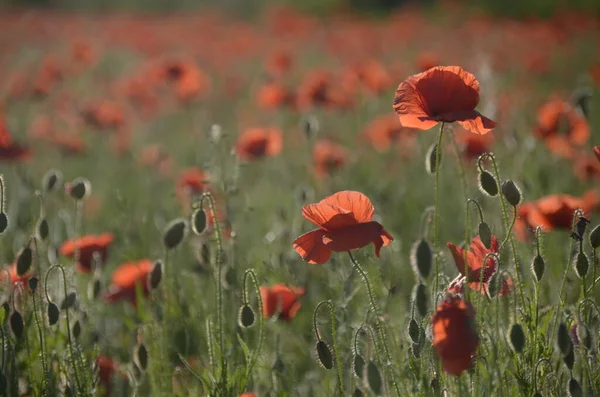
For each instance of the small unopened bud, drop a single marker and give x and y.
(580, 335)
(420, 299)
(574, 389)
(79, 189)
(53, 313)
(174, 233)
(538, 267)
(52, 179)
(485, 235)
(155, 275)
(414, 330)
(569, 359)
(94, 288)
(431, 159)
(16, 324)
(324, 354)
(511, 193)
(374, 378)
(24, 260)
(421, 259)
(563, 340)
(42, 229)
(69, 301)
(516, 336)
(198, 221)
(488, 184)
(140, 357)
(580, 226)
(246, 316)
(358, 366)
(3, 222)
(76, 329)
(581, 265)
(33, 283)
(595, 237)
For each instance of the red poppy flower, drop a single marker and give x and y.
(561, 127)
(586, 167)
(278, 63)
(443, 93)
(273, 95)
(14, 276)
(257, 142)
(104, 114)
(107, 367)
(455, 338)
(248, 394)
(383, 131)
(281, 299)
(8, 149)
(125, 280)
(87, 246)
(328, 156)
(427, 60)
(191, 184)
(345, 224)
(472, 145)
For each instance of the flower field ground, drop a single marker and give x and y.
(195, 204)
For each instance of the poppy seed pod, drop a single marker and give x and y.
(246, 316)
(421, 259)
(595, 237)
(358, 366)
(581, 265)
(538, 267)
(53, 313)
(52, 179)
(198, 221)
(563, 340)
(374, 378)
(487, 184)
(485, 235)
(420, 299)
(16, 324)
(24, 260)
(324, 354)
(174, 233)
(574, 389)
(511, 193)
(3, 222)
(516, 336)
(431, 159)
(80, 188)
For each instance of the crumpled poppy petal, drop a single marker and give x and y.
(311, 248)
(477, 124)
(458, 256)
(328, 216)
(354, 237)
(355, 202)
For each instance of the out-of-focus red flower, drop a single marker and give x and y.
(83, 248)
(273, 95)
(383, 131)
(11, 272)
(10, 151)
(125, 280)
(328, 156)
(455, 338)
(281, 299)
(473, 145)
(104, 114)
(278, 63)
(345, 223)
(561, 127)
(427, 60)
(191, 184)
(107, 368)
(258, 142)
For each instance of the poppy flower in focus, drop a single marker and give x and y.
(444, 93)
(125, 280)
(257, 142)
(552, 212)
(328, 157)
(86, 246)
(107, 368)
(281, 299)
(561, 127)
(345, 223)
(455, 338)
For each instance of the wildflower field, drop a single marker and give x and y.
(195, 204)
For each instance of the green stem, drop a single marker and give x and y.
(375, 308)
(338, 363)
(461, 167)
(436, 215)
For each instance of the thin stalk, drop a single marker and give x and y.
(336, 354)
(436, 215)
(461, 167)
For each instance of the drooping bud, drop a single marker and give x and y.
(485, 235)
(140, 357)
(574, 389)
(52, 179)
(24, 260)
(33, 284)
(580, 226)
(198, 221)
(3, 222)
(511, 193)
(358, 366)
(69, 301)
(16, 324)
(76, 329)
(80, 188)
(42, 229)
(487, 184)
(431, 159)
(94, 288)
(53, 313)
(538, 267)
(155, 275)
(584, 335)
(374, 378)
(174, 233)
(421, 259)
(595, 237)
(414, 330)
(581, 265)
(516, 336)
(563, 340)
(324, 354)
(420, 299)
(569, 359)
(246, 316)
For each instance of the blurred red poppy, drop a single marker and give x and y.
(11, 272)
(383, 131)
(191, 184)
(328, 156)
(125, 280)
(561, 127)
(345, 224)
(8, 149)
(281, 299)
(107, 368)
(257, 142)
(83, 248)
(455, 338)
(272, 95)
(443, 93)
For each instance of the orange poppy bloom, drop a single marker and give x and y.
(191, 184)
(561, 127)
(472, 145)
(383, 131)
(125, 280)
(455, 338)
(281, 299)
(344, 221)
(586, 167)
(258, 142)
(273, 95)
(328, 156)
(443, 93)
(87, 246)
(104, 114)
(374, 76)
(278, 63)
(14, 276)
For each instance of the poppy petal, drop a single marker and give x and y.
(311, 248)
(355, 202)
(327, 216)
(477, 123)
(354, 237)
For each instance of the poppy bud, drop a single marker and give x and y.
(246, 316)
(595, 237)
(415, 350)
(198, 221)
(487, 184)
(155, 275)
(414, 330)
(51, 180)
(324, 355)
(16, 324)
(76, 329)
(569, 359)
(538, 267)
(310, 126)
(420, 299)
(53, 313)
(511, 193)
(69, 301)
(358, 366)
(80, 188)
(581, 265)
(24, 260)
(174, 233)
(94, 288)
(584, 335)
(574, 389)
(563, 340)
(42, 229)
(278, 365)
(431, 159)
(516, 336)
(374, 378)
(485, 235)
(435, 385)
(3, 222)
(140, 357)
(33, 283)
(421, 259)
